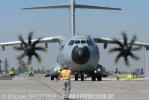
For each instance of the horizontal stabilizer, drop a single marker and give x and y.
(96, 7)
(49, 7)
(76, 6)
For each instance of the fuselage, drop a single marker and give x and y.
(80, 53)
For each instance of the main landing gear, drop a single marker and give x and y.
(79, 74)
(93, 78)
(52, 78)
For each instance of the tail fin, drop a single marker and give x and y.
(72, 6)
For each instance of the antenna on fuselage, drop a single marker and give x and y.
(72, 6)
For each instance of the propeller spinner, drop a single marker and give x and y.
(125, 49)
(29, 47)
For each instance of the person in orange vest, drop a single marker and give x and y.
(66, 75)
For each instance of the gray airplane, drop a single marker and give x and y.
(79, 52)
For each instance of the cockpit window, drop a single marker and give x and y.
(83, 41)
(77, 41)
(71, 42)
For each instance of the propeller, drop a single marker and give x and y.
(125, 48)
(29, 47)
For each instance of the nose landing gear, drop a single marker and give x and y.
(94, 77)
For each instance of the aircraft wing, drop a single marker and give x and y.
(111, 41)
(55, 39)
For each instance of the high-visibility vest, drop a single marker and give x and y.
(66, 74)
(30, 72)
(11, 72)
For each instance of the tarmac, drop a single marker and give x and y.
(40, 88)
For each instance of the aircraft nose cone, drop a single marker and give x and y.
(80, 55)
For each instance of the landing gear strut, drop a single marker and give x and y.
(52, 78)
(93, 78)
(82, 77)
(76, 76)
(99, 78)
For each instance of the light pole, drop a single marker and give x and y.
(145, 65)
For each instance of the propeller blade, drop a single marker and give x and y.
(118, 57)
(36, 42)
(30, 38)
(132, 41)
(136, 48)
(38, 57)
(118, 42)
(22, 40)
(20, 57)
(134, 56)
(39, 48)
(126, 60)
(125, 38)
(115, 49)
(18, 48)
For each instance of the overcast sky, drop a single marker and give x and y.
(102, 23)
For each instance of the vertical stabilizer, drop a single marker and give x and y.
(72, 6)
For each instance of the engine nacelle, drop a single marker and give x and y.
(55, 70)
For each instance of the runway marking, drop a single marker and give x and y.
(42, 83)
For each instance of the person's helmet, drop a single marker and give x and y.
(66, 67)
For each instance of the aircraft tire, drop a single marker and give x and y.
(82, 77)
(52, 78)
(99, 78)
(76, 77)
(93, 78)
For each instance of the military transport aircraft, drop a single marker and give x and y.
(79, 52)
